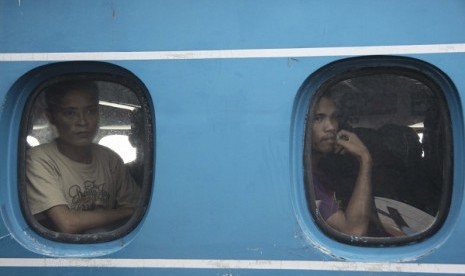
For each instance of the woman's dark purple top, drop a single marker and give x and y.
(326, 203)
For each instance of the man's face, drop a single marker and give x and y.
(325, 126)
(76, 117)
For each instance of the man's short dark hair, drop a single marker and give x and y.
(55, 92)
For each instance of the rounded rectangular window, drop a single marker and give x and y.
(86, 155)
(378, 149)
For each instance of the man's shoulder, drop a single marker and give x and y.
(43, 149)
(104, 151)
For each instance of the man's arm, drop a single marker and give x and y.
(355, 218)
(75, 222)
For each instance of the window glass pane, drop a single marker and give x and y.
(376, 154)
(88, 149)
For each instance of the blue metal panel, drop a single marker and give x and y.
(55, 26)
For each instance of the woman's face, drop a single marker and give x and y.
(76, 117)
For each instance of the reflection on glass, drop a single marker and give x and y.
(121, 145)
(374, 148)
(74, 185)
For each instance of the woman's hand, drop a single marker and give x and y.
(348, 142)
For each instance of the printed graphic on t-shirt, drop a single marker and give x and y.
(94, 196)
